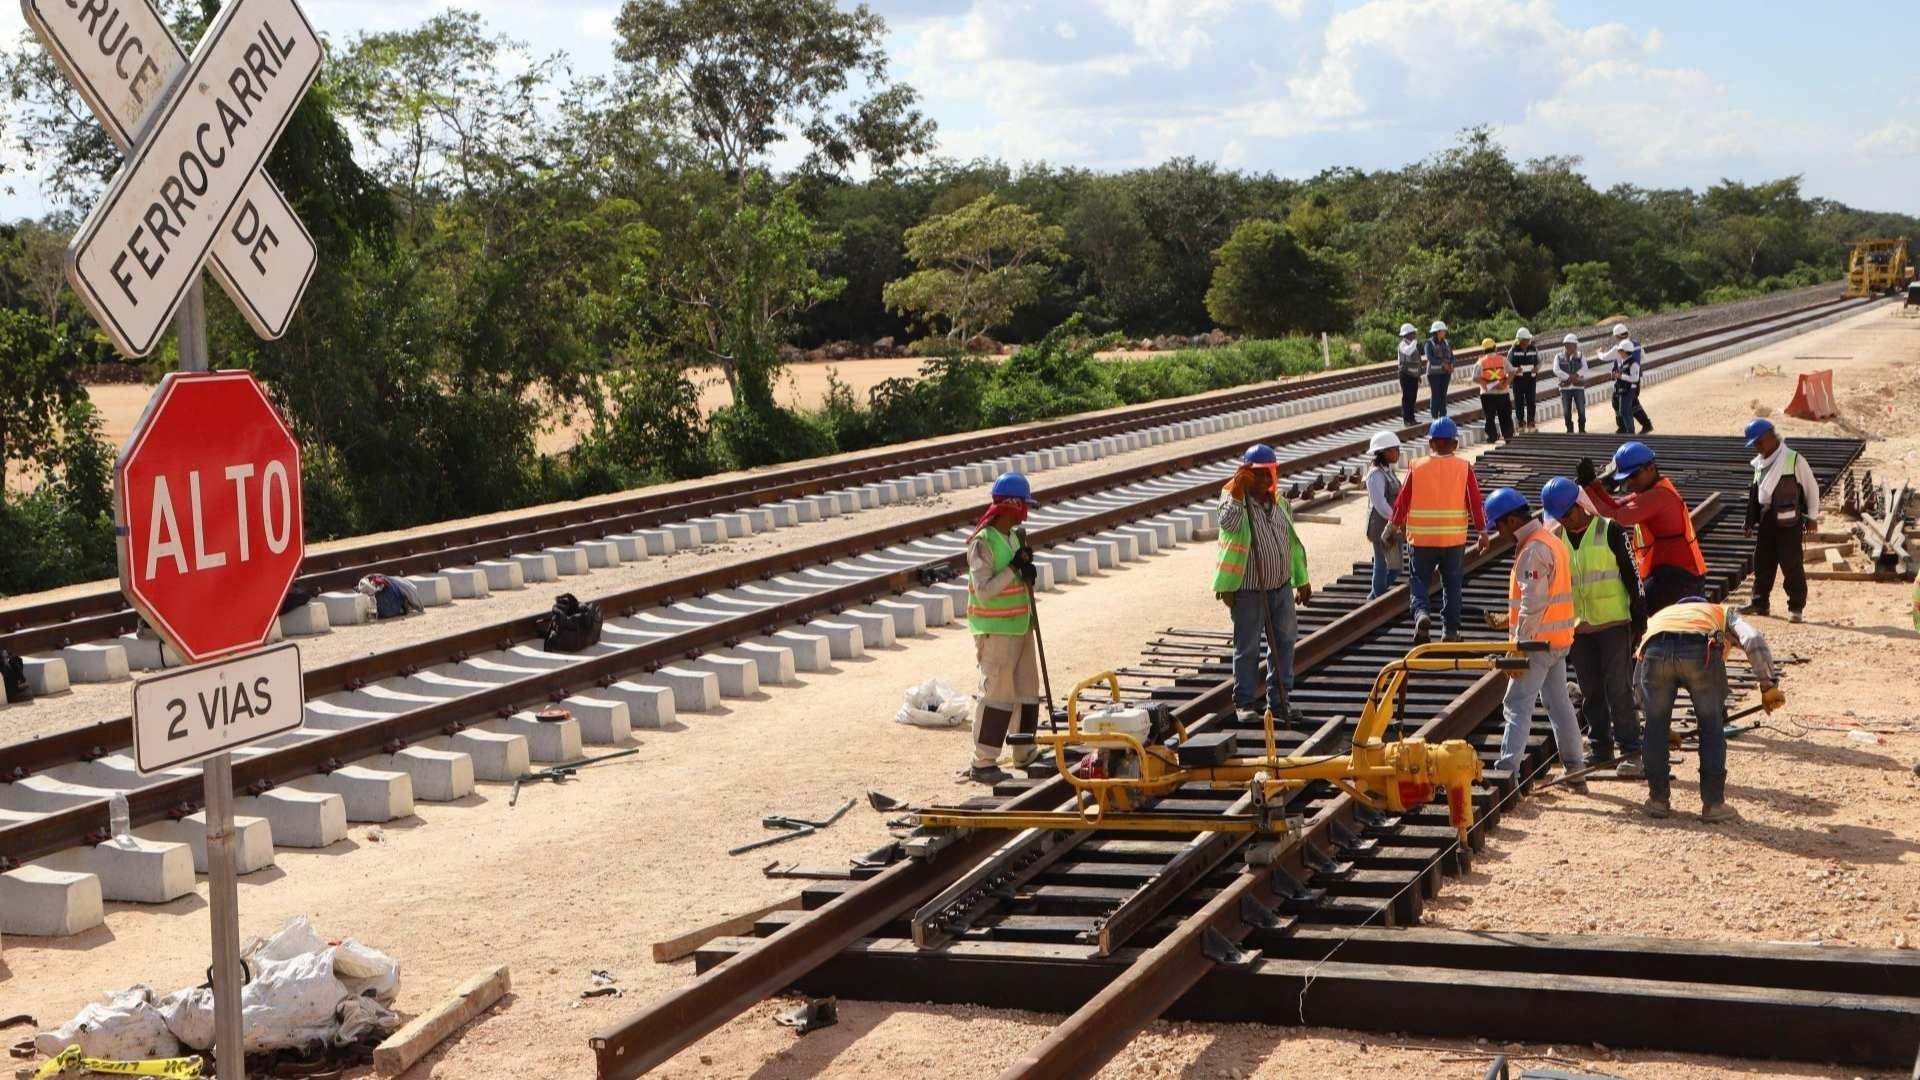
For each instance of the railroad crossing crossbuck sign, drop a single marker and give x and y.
(197, 132)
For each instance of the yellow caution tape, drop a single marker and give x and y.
(70, 1063)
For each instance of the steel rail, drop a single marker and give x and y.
(104, 614)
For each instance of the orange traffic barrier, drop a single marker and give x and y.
(1813, 398)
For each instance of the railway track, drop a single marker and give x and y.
(1123, 927)
(789, 495)
(425, 721)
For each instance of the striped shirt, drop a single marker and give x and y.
(1270, 565)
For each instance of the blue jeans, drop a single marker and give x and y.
(1668, 663)
(1574, 401)
(1409, 398)
(1437, 382)
(1251, 610)
(1626, 398)
(1546, 676)
(1451, 562)
(1383, 574)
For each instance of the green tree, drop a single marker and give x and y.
(1267, 283)
(36, 368)
(976, 266)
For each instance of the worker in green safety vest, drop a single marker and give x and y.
(1000, 576)
(1609, 613)
(1782, 504)
(1260, 575)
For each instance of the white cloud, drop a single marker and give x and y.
(1169, 31)
(596, 24)
(1893, 139)
(1066, 30)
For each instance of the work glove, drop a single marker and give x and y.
(1586, 474)
(1027, 571)
(1772, 698)
(1302, 594)
(1243, 481)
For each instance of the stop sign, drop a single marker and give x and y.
(207, 511)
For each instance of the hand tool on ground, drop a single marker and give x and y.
(798, 827)
(1130, 762)
(1581, 774)
(564, 771)
(1040, 645)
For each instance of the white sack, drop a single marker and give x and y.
(127, 1027)
(934, 704)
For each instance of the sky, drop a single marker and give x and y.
(1657, 94)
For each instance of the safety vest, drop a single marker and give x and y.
(1694, 618)
(1437, 516)
(1643, 540)
(1556, 626)
(1493, 374)
(1010, 610)
(1230, 567)
(1600, 598)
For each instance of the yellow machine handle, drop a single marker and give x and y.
(1111, 678)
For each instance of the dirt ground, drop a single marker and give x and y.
(588, 875)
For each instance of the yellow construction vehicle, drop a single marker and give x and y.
(1122, 763)
(1878, 268)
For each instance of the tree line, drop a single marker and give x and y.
(506, 246)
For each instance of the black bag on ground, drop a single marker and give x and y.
(13, 671)
(572, 625)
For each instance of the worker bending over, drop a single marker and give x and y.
(1664, 545)
(1435, 509)
(1782, 504)
(1540, 619)
(1496, 384)
(1571, 369)
(1524, 360)
(1261, 572)
(1629, 364)
(1000, 576)
(1686, 647)
(1609, 615)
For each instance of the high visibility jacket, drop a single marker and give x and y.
(1494, 378)
(1556, 626)
(1439, 515)
(1600, 598)
(1645, 543)
(1695, 618)
(1009, 611)
(1236, 547)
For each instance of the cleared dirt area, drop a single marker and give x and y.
(589, 875)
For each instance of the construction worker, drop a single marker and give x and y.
(1261, 573)
(1434, 510)
(1496, 386)
(1782, 504)
(1628, 361)
(1686, 647)
(1571, 369)
(1000, 576)
(1413, 364)
(1664, 546)
(1383, 487)
(1540, 618)
(1524, 360)
(1439, 354)
(1608, 616)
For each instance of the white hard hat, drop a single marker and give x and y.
(1620, 329)
(1438, 327)
(1407, 329)
(1523, 334)
(1383, 440)
(1570, 339)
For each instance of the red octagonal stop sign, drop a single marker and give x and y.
(207, 508)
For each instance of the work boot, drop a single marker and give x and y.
(1630, 769)
(1247, 716)
(1755, 607)
(988, 774)
(1450, 637)
(1718, 812)
(1656, 808)
(1794, 617)
(1422, 628)
(990, 726)
(1578, 787)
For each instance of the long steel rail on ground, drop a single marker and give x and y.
(1128, 929)
(103, 613)
(175, 797)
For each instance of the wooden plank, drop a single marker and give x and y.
(1835, 559)
(683, 946)
(424, 1032)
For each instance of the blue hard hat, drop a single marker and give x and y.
(1559, 496)
(1629, 457)
(1443, 428)
(1505, 501)
(1013, 486)
(1260, 454)
(1757, 428)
